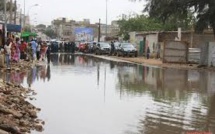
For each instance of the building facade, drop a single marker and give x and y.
(155, 39)
(65, 28)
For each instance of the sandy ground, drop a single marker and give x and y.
(155, 62)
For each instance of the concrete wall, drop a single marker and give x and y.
(194, 55)
(152, 42)
(201, 39)
(208, 54)
(132, 37)
(194, 40)
(204, 54)
(175, 52)
(135, 39)
(211, 56)
(161, 44)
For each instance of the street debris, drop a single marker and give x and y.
(17, 115)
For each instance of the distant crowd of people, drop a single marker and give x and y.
(17, 49)
(67, 47)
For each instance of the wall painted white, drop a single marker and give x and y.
(152, 42)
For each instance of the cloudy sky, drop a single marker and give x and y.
(78, 9)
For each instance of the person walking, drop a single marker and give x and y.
(7, 49)
(29, 52)
(112, 48)
(38, 51)
(48, 54)
(34, 49)
(17, 48)
(148, 52)
(23, 48)
(73, 47)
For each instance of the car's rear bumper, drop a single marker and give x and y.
(130, 53)
(106, 51)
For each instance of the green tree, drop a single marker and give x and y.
(50, 33)
(41, 26)
(138, 23)
(204, 10)
(27, 29)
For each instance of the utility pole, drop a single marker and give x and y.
(11, 11)
(106, 19)
(99, 31)
(24, 15)
(5, 20)
(20, 19)
(15, 12)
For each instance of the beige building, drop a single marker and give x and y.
(65, 28)
(112, 30)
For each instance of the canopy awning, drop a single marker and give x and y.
(11, 27)
(14, 28)
(27, 34)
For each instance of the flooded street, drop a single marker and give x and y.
(86, 95)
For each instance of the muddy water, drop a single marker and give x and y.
(85, 95)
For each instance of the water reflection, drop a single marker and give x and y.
(182, 100)
(36, 73)
(171, 101)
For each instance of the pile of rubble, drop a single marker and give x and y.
(17, 115)
(22, 65)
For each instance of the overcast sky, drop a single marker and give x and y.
(78, 9)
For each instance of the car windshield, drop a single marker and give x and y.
(127, 45)
(104, 45)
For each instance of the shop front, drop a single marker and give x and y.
(11, 29)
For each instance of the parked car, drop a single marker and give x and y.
(102, 48)
(90, 47)
(126, 49)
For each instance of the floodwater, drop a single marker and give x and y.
(86, 95)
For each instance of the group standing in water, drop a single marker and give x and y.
(16, 50)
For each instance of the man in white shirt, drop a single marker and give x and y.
(7, 48)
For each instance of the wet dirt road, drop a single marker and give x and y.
(86, 95)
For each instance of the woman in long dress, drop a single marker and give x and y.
(15, 51)
(43, 51)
